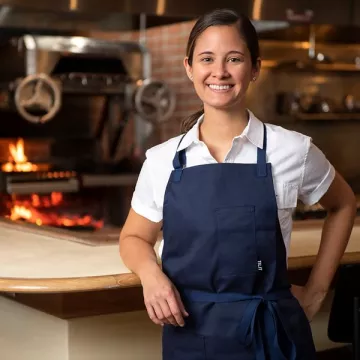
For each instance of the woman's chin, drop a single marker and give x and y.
(229, 105)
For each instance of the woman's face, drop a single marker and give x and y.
(221, 69)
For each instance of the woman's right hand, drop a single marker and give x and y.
(162, 300)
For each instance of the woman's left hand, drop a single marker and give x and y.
(310, 301)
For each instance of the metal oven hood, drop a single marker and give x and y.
(172, 8)
(125, 14)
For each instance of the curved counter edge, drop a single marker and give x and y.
(79, 284)
(118, 281)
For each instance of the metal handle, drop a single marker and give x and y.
(306, 16)
(43, 187)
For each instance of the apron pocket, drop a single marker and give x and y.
(180, 344)
(236, 240)
(297, 328)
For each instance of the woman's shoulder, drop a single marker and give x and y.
(281, 137)
(163, 153)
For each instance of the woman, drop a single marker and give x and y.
(224, 193)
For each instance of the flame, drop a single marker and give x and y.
(18, 162)
(30, 210)
(40, 209)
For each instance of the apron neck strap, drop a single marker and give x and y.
(261, 157)
(179, 161)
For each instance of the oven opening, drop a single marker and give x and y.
(50, 195)
(78, 212)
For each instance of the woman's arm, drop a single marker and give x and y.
(340, 203)
(137, 240)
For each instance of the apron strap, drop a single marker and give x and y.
(179, 162)
(261, 157)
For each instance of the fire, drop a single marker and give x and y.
(33, 209)
(40, 209)
(18, 162)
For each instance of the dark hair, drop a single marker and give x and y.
(217, 18)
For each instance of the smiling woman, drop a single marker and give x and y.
(224, 192)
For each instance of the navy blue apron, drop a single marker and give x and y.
(224, 252)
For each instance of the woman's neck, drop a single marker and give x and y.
(221, 126)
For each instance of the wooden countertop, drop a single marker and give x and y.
(41, 263)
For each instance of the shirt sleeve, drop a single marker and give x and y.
(318, 175)
(143, 200)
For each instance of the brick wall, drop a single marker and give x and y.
(167, 45)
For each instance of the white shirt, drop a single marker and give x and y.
(300, 170)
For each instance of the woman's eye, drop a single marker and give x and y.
(206, 59)
(234, 59)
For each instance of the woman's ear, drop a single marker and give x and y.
(256, 69)
(188, 68)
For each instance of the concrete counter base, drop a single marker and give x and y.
(26, 333)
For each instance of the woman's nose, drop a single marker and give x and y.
(220, 70)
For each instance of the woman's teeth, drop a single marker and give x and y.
(220, 87)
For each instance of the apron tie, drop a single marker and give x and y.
(261, 325)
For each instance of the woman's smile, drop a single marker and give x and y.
(220, 88)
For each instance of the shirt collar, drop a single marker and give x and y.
(192, 136)
(254, 132)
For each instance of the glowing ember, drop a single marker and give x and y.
(18, 162)
(32, 210)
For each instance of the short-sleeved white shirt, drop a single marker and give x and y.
(300, 170)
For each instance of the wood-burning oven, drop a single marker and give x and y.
(70, 145)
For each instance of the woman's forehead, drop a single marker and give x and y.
(224, 38)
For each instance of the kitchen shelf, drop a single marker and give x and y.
(328, 116)
(338, 67)
(291, 65)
